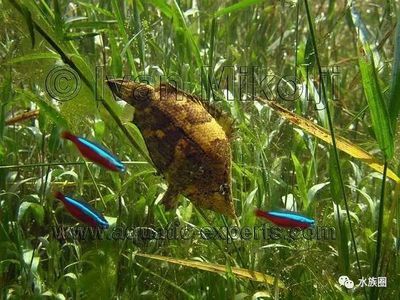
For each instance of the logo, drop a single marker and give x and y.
(63, 83)
(346, 281)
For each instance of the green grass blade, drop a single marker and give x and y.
(301, 183)
(365, 36)
(169, 282)
(45, 107)
(138, 31)
(342, 240)
(375, 272)
(163, 7)
(116, 62)
(394, 101)
(332, 133)
(377, 106)
(58, 20)
(29, 23)
(237, 6)
(32, 57)
(124, 34)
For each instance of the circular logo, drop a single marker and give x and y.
(343, 279)
(349, 284)
(63, 83)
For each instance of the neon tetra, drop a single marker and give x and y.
(285, 218)
(95, 153)
(82, 211)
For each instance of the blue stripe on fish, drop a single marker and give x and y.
(291, 216)
(88, 211)
(286, 218)
(103, 152)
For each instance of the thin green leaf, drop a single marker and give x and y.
(138, 31)
(124, 34)
(46, 108)
(80, 35)
(32, 57)
(116, 62)
(301, 184)
(365, 36)
(80, 24)
(163, 7)
(36, 210)
(237, 6)
(334, 178)
(58, 20)
(377, 106)
(394, 101)
(29, 23)
(342, 240)
(217, 268)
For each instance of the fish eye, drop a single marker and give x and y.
(141, 92)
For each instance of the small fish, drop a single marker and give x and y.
(82, 211)
(286, 218)
(95, 152)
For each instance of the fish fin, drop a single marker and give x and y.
(170, 198)
(222, 118)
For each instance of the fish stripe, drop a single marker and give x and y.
(84, 207)
(95, 152)
(291, 216)
(102, 152)
(83, 211)
(286, 218)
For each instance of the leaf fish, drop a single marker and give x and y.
(285, 218)
(188, 142)
(95, 152)
(82, 211)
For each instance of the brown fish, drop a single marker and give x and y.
(187, 140)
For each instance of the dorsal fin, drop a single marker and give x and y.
(222, 118)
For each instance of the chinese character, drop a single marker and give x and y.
(372, 281)
(382, 282)
(362, 282)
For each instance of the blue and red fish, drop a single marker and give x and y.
(285, 218)
(95, 152)
(82, 211)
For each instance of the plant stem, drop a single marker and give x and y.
(375, 272)
(332, 133)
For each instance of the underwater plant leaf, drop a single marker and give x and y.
(322, 134)
(216, 268)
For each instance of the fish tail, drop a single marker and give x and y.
(260, 213)
(67, 135)
(59, 195)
